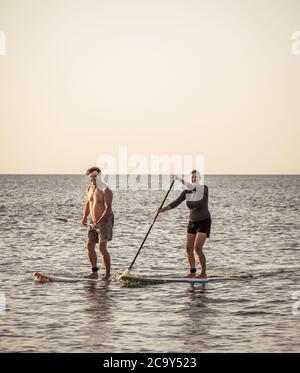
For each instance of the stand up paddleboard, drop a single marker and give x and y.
(42, 278)
(130, 280)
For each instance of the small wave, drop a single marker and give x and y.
(255, 274)
(276, 272)
(251, 313)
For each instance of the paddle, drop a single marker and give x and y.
(64, 220)
(127, 271)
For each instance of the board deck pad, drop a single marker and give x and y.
(162, 280)
(130, 280)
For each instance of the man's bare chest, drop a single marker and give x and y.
(95, 196)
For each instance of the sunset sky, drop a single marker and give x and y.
(82, 78)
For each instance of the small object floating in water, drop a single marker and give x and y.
(38, 277)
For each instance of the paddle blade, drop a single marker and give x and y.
(125, 273)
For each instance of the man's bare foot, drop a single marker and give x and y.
(92, 276)
(190, 275)
(202, 275)
(105, 278)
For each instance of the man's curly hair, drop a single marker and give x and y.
(92, 169)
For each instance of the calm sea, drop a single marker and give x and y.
(254, 248)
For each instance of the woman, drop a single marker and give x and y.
(198, 229)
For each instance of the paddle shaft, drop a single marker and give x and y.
(63, 220)
(144, 240)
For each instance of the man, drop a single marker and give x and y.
(99, 207)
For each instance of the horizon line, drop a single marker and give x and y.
(208, 174)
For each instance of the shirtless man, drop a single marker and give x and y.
(99, 207)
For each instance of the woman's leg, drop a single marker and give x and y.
(198, 245)
(189, 251)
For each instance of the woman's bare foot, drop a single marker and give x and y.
(190, 275)
(92, 276)
(105, 278)
(202, 275)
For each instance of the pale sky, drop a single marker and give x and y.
(82, 78)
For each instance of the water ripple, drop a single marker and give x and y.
(253, 254)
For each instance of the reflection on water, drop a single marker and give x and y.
(195, 325)
(98, 301)
(255, 232)
(99, 304)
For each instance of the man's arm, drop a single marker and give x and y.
(86, 210)
(108, 196)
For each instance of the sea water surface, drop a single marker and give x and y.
(254, 249)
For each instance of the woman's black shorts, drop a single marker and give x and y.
(200, 226)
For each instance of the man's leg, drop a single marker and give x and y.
(189, 251)
(105, 258)
(92, 257)
(199, 243)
